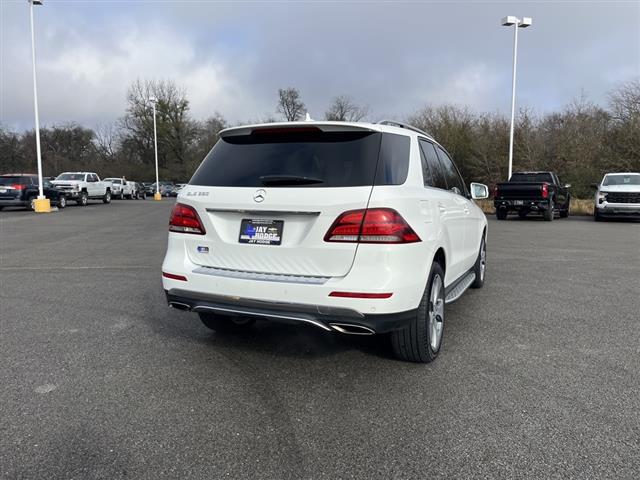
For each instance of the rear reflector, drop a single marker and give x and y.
(359, 295)
(185, 219)
(173, 276)
(375, 225)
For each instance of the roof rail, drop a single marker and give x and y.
(394, 123)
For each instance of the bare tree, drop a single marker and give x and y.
(343, 109)
(176, 130)
(106, 139)
(624, 101)
(289, 104)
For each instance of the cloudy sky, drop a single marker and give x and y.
(233, 56)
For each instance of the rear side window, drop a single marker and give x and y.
(454, 180)
(437, 175)
(310, 159)
(393, 165)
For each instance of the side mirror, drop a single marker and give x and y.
(479, 191)
(568, 185)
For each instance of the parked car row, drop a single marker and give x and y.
(167, 189)
(21, 189)
(617, 196)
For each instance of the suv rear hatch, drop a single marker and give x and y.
(267, 196)
(12, 187)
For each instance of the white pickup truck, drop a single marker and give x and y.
(83, 186)
(121, 188)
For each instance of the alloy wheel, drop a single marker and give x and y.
(436, 313)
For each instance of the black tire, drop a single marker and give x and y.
(121, 196)
(415, 342)
(1, 207)
(548, 213)
(30, 205)
(501, 213)
(523, 213)
(480, 267)
(224, 324)
(144, 195)
(83, 199)
(596, 216)
(61, 202)
(107, 197)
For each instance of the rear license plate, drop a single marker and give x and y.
(519, 202)
(263, 232)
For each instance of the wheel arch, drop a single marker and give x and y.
(441, 257)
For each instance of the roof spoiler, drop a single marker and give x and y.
(297, 126)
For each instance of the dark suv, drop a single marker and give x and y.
(21, 189)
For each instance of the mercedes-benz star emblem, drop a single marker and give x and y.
(259, 196)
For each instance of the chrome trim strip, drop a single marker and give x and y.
(269, 315)
(271, 213)
(265, 277)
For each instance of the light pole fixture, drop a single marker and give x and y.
(516, 23)
(40, 204)
(153, 100)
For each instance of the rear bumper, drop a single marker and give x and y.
(521, 204)
(328, 318)
(13, 203)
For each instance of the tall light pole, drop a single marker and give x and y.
(516, 23)
(41, 204)
(157, 195)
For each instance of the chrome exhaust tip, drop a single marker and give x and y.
(351, 329)
(179, 306)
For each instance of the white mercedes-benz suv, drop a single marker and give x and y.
(355, 228)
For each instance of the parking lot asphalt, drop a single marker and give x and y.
(539, 376)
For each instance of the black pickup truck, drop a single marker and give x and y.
(526, 192)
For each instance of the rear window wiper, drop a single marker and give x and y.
(274, 180)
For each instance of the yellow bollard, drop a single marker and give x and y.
(157, 196)
(42, 205)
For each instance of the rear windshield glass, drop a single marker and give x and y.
(71, 176)
(531, 177)
(15, 180)
(621, 180)
(310, 159)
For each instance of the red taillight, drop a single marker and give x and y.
(360, 295)
(496, 192)
(184, 219)
(173, 276)
(545, 190)
(375, 225)
(19, 186)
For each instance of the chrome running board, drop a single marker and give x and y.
(460, 287)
